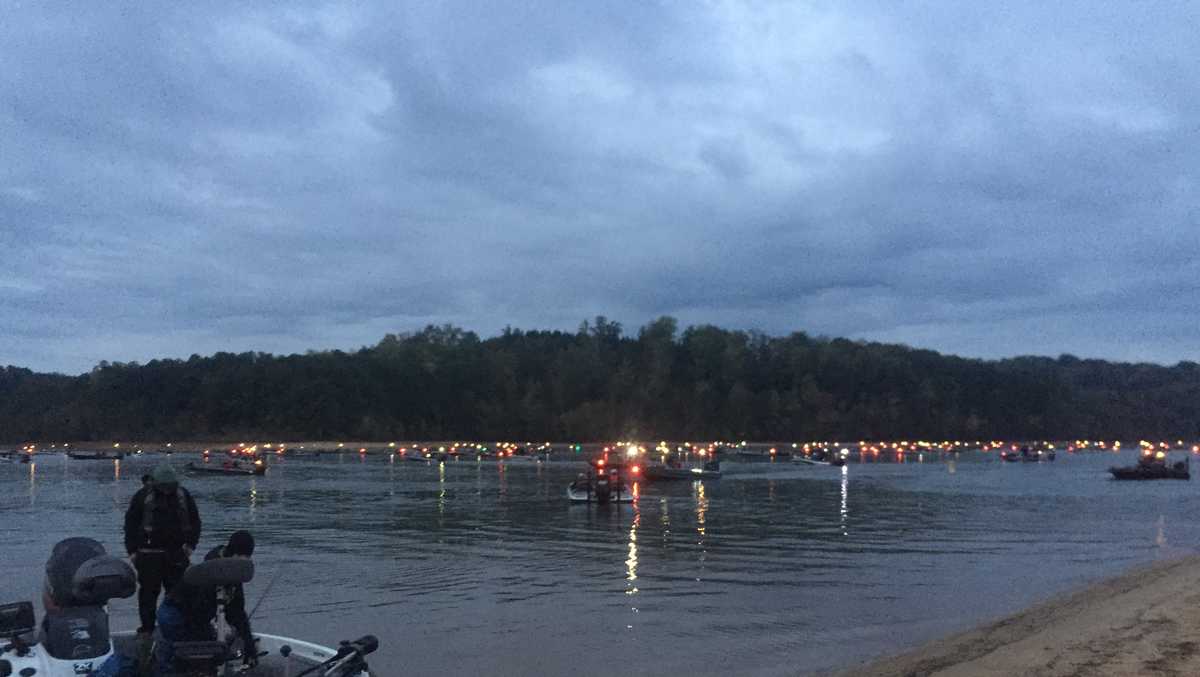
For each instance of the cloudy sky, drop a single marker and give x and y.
(989, 181)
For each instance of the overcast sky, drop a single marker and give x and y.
(983, 179)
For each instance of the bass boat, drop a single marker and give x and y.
(603, 483)
(258, 468)
(74, 639)
(1027, 455)
(657, 472)
(805, 460)
(96, 455)
(1153, 471)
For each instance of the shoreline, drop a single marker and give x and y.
(1145, 621)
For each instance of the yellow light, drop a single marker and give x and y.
(632, 451)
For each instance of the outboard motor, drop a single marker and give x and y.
(80, 579)
(603, 489)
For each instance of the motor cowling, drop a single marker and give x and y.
(81, 577)
(81, 573)
(603, 490)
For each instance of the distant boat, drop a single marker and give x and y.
(603, 483)
(1153, 471)
(257, 468)
(657, 472)
(96, 455)
(808, 461)
(1027, 455)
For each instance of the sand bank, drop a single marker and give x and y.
(1145, 622)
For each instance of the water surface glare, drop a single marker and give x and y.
(470, 567)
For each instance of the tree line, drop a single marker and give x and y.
(598, 383)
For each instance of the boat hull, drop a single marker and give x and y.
(808, 461)
(95, 456)
(241, 472)
(582, 496)
(660, 473)
(302, 655)
(1138, 473)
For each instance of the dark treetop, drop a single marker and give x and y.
(596, 384)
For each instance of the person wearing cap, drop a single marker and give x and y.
(162, 529)
(233, 597)
(188, 610)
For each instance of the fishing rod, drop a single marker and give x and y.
(270, 584)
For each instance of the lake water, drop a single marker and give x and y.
(471, 567)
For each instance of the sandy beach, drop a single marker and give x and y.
(1144, 622)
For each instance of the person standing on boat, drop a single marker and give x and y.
(188, 611)
(162, 529)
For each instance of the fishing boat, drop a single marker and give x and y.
(236, 468)
(519, 458)
(811, 460)
(808, 461)
(1154, 468)
(426, 457)
(603, 483)
(96, 455)
(1027, 455)
(74, 639)
(658, 472)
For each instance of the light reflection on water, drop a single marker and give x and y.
(468, 567)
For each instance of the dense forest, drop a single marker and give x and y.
(598, 384)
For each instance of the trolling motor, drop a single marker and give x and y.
(350, 658)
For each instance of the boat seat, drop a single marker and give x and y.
(76, 633)
(200, 656)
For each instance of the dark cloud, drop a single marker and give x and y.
(985, 180)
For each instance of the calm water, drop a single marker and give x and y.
(473, 568)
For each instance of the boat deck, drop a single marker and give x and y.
(302, 655)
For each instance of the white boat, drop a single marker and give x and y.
(808, 461)
(73, 638)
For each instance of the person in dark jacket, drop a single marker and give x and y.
(162, 529)
(188, 611)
